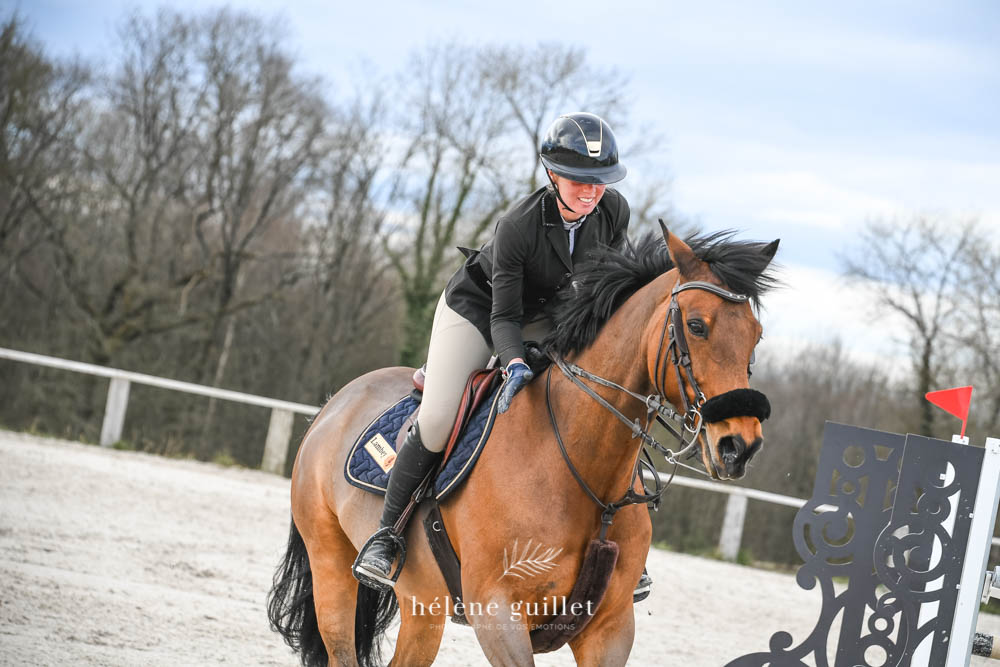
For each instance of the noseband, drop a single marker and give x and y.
(734, 403)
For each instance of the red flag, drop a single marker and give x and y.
(953, 401)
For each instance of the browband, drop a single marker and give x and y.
(709, 287)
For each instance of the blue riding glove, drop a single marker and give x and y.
(517, 375)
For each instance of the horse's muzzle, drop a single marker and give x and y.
(735, 453)
(732, 451)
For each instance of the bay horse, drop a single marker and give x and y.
(618, 322)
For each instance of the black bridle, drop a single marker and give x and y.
(734, 403)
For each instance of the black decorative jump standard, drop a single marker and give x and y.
(884, 508)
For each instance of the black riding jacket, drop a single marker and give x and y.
(513, 278)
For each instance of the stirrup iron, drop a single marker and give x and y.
(371, 579)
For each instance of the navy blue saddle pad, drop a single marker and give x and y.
(376, 448)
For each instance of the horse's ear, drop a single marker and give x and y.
(770, 249)
(681, 254)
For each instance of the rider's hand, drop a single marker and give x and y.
(517, 375)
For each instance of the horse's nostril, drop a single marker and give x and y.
(730, 449)
(734, 454)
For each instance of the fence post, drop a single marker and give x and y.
(114, 412)
(279, 432)
(732, 527)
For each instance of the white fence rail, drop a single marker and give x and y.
(280, 430)
(282, 412)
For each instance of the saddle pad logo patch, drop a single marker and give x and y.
(381, 451)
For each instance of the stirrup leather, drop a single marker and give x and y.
(369, 578)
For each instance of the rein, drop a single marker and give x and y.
(657, 406)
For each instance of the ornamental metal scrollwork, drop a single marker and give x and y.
(872, 521)
(937, 479)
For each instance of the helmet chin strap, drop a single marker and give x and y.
(555, 187)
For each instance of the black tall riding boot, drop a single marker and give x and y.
(412, 464)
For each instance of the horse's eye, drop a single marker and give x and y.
(697, 328)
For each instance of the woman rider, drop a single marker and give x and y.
(498, 298)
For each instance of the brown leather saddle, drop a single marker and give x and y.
(478, 388)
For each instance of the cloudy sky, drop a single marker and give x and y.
(797, 120)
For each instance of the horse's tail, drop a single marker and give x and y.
(290, 606)
(372, 618)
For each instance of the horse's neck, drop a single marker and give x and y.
(598, 442)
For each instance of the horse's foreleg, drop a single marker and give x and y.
(419, 635)
(607, 639)
(504, 636)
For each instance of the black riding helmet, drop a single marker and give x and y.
(581, 147)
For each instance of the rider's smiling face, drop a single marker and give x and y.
(581, 197)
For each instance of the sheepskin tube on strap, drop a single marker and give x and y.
(588, 593)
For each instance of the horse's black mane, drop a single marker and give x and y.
(604, 282)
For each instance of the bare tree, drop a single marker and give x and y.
(260, 131)
(202, 198)
(203, 140)
(40, 105)
(976, 331)
(453, 125)
(198, 143)
(119, 255)
(649, 203)
(345, 272)
(913, 269)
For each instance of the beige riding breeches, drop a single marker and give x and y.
(456, 349)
